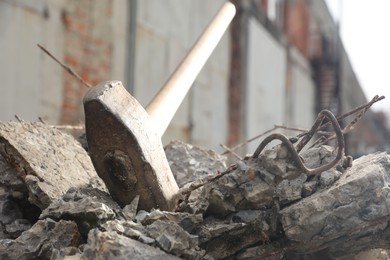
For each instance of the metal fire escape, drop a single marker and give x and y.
(326, 68)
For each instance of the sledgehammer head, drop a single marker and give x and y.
(125, 150)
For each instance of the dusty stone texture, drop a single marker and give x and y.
(9, 211)
(243, 188)
(110, 245)
(344, 217)
(87, 212)
(172, 238)
(88, 207)
(40, 241)
(248, 199)
(91, 208)
(75, 194)
(257, 183)
(17, 227)
(317, 156)
(173, 232)
(329, 177)
(253, 210)
(374, 254)
(189, 162)
(223, 238)
(11, 184)
(127, 228)
(288, 191)
(187, 221)
(130, 210)
(16, 216)
(277, 161)
(265, 251)
(48, 161)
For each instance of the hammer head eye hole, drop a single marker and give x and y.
(120, 169)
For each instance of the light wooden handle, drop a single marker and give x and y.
(164, 105)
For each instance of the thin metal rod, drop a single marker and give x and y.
(164, 105)
(65, 67)
(231, 152)
(304, 131)
(294, 152)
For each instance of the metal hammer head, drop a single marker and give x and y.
(125, 150)
(125, 142)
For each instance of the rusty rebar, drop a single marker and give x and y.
(363, 107)
(304, 131)
(294, 152)
(65, 67)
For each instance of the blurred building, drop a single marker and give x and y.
(281, 62)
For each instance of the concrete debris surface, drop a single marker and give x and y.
(54, 206)
(189, 162)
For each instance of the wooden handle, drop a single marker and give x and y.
(164, 105)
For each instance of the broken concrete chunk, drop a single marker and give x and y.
(288, 191)
(11, 184)
(111, 245)
(147, 240)
(130, 210)
(87, 212)
(87, 206)
(66, 253)
(253, 211)
(221, 240)
(88, 209)
(189, 162)
(336, 212)
(260, 252)
(9, 210)
(141, 214)
(328, 177)
(38, 192)
(187, 221)
(246, 216)
(40, 241)
(126, 228)
(75, 194)
(244, 187)
(172, 238)
(197, 202)
(257, 194)
(222, 201)
(309, 188)
(48, 158)
(277, 162)
(217, 229)
(12, 221)
(238, 190)
(17, 227)
(317, 156)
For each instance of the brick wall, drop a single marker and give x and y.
(87, 49)
(296, 24)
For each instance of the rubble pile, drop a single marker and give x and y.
(53, 205)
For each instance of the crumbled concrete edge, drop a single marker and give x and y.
(48, 161)
(260, 207)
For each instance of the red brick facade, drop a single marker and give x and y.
(296, 24)
(87, 49)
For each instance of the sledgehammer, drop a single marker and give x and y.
(124, 140)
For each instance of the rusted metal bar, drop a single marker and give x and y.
(294, 151)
